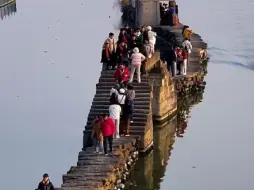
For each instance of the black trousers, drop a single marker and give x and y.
(106, 140)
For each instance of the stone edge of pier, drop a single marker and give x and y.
(7, 3)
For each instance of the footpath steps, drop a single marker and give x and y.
(96, 171)
(100, 104)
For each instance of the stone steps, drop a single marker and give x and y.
(104, 95)
(136, 118)
(137, 102)
(106, 90)
(112, 82)
(134, 130)
(110, 79)
(105, 110)
(106, 106)
(100, 104)
(93, 170)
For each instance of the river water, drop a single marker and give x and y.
(50, 62)
(50, 53)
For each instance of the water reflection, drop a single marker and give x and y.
(7, 10)
(150, 170)
(184, 105)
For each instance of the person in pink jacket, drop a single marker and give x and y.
(136, 59)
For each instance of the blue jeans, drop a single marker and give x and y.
(97, 144)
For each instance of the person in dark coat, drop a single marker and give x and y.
(123, 36)
(171, 58)
(45, 184)
(132, 43)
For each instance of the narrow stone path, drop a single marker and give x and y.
(94, 171)
(100, 102)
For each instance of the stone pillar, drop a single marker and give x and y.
(148, 12)
(164, 95)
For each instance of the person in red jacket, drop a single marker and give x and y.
(108, 130)
(179, 58)
(122, 74)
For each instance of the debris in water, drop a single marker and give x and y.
(67, 77)
(193, 166)
(17, 96)
(108, 16)
(45, 51)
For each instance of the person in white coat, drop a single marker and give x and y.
(187, 44)
(114, 114)
(136, 61)
(152, 38)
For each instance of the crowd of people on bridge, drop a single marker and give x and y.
(177, 56)
(133, 45)
(168, 14)
(106, 127)
(132, 49)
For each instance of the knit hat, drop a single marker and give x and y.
(149, 28)
(135, 50)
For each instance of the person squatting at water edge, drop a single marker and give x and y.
(45, 184)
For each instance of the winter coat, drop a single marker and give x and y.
(112, 45)
(121, 51)
(105, 56)
(123, 38)
(187, 44)
(152, 37)
(122, 74)
(187, 33)
(137, 58)
(132, 44)
(108, 127)
(145, 36)
(170, 56)
(96, 130)
(148, 50)
(47, 186)
(185, 54)
(139, 39)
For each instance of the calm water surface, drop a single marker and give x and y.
(216, 151)
(50, 62)
(220, 132)
(50, 54)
